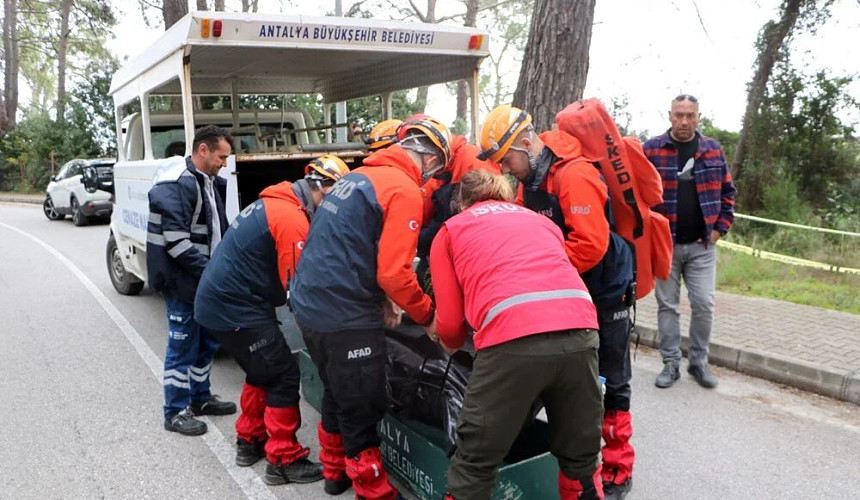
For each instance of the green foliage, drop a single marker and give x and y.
(92, 95)
(748, 275)
(28, 147)
(726, 138)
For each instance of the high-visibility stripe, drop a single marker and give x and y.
(176, 373)
(200, 378)
(204, 249)
(199, 229)
(176, 383)
(201, 371)
(154, 218)
(171, 236)
(534, 297)
(155, 239)
(180, 247)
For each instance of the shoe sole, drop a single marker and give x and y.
(278, 480)
(338, 489)
(247, 462)
(217, 413)
(171, 428)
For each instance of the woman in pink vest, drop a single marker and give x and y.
(502, 270)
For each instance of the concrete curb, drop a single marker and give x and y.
(22, 198)
(781, 369)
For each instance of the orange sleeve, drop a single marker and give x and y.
(519, 198)
(582, 196)
(450, 311)
(289, 227)
(398, 243)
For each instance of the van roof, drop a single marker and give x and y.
(340, 58)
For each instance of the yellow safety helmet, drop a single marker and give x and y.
(501, 127)
(433, 129)
(384, 134)
(327, 169)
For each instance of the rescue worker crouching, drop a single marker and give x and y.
(243, 284)
(502, 268)
(558, 182)
(359, 250)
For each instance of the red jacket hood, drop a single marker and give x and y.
(564, 145)
(397, 157)
(282, 191)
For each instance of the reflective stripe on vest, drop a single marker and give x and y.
(523, 298)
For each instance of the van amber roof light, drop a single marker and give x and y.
(204, 27)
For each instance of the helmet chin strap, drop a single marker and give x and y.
(427, 175)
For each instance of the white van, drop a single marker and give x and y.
(212, 54)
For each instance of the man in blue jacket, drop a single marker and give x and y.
(186, 222)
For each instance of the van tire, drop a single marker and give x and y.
(123, 281)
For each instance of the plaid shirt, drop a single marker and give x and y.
(713, 181)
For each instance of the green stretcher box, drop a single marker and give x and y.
(414, 453)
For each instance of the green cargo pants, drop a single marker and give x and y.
(558, 367)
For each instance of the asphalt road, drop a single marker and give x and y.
(80, 402)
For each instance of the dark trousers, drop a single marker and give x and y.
(614, 356)
(266, 359)
(351, 365)
(561, 369)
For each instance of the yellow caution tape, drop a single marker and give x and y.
(796, 226)
(794, 261)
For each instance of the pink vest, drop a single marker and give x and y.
(515, 274)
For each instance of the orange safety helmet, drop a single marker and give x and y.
(433, 129)
(501, 127)
(384, 134)
(326, 170)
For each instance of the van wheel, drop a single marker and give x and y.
(77, 216)
(123, 281)
(50, 210)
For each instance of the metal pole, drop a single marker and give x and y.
(340, 108)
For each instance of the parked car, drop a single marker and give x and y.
(69, 194)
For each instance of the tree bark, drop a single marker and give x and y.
(462, 86)
(555, 63)
(10, 47)
(201, 5)
(429, 17)
(62, 51)
(219, 5)
(173, 10)
(771, 40)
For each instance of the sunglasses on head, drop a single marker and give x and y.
(686, 97)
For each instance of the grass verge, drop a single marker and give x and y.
(747, 275)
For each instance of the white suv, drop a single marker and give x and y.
(67, 193)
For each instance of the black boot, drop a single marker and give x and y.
(185, 424)
(248, 452)
(213, 406)
(300, 471)
(612, 491)
(336, 487)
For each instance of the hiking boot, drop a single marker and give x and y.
(213, 406)
(612, 491)
(248, 452)
(668, 376)
(336, 487)
(300, 471)
(703, 376)
(185, 424)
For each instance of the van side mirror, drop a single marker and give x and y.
(90, 179)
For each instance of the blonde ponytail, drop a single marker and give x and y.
(480, 185)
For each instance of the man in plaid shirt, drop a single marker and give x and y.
(698, 200)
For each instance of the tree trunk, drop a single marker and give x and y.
(555, 63)
(201, 5)
(462, 86)
(173, 10)
(430, 17)
(62, 51)
(770, 44)
(219, 5)
(249, 5)
(10, 47)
